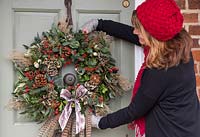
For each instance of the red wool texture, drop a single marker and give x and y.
(141, 121)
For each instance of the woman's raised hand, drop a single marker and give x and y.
(90, 26)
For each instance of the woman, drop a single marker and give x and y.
(164, 102)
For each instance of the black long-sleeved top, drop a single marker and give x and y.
(166, 98)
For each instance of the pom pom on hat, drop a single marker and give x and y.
(161, 18)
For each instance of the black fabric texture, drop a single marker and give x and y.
(118, 30)
(166, 98)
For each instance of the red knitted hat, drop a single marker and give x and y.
(161, 18)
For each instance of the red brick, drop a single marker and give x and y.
(181, 3)
(198, 80)
(190, 17)
(196, 43)
(194, 29)
(198, 94)
(196, 55)
(198, 68)
(195, 68)
(194, 4)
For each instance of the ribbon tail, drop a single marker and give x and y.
(80, 119)
(64, 117)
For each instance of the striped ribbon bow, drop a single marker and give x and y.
(64, 117)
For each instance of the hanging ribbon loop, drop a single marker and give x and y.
(68, 5)
(80, 118)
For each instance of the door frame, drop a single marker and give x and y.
(138, 51)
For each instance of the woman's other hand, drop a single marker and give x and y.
(95, 121)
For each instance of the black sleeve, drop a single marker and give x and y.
(118, 30)
(152, 86)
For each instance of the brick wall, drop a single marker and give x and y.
(191, 13)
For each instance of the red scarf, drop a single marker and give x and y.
(139, 124)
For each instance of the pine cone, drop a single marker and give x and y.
(95, 79)
(40, 80)
(52, 71)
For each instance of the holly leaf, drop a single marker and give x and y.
(25, 46)
(66, 43)
(74, 44)
(38, 90)
(37, 38)
(55, 49)
(92, 62)
(103, 88)
(45, 34)
(105, 50)
(86, 77)
(89, 50)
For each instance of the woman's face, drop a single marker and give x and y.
(140, 35)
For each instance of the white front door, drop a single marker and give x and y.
(21, 20)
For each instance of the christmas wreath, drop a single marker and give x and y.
(44, 93)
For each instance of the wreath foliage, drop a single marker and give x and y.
(40, 79)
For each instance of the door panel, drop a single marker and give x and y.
(21, 20)
(28, 24)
